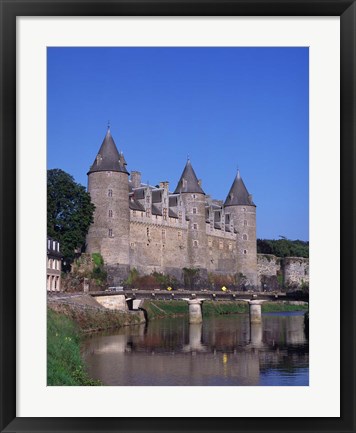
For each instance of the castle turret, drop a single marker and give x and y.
(242, 211)
(193, 198)
(108, 186)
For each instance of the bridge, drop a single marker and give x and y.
(214, 295)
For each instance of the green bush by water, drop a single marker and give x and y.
(64, 364)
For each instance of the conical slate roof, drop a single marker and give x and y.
(108, 157)
(238, 194)
(188, 181)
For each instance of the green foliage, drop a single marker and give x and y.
(97, 259)
(132, 278)
(283, 247)
(64, 364)
(69, 213)
(164, 280)
(98, 274)
(191, 277)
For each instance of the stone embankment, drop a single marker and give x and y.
(89, 315)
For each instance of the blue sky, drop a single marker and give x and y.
(226, 108)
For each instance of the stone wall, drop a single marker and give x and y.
(296, 271)
(289, 271)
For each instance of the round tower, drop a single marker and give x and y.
(108, 186)
(193, 199)
(242, 210)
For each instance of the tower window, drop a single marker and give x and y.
(163, 234)
(210, 243)
(194, 210)
(194, 196)
(245, 251)
(148, 213)
(110, 213)
(195, 244)
(180, 216)
(245, 223)
(179, 235)
(244, 237)
(110, 193)
(165, 213)
(110, 233)
(148, 232)
(221, 245)
(244, 209)
(230, 246)
(195, 226)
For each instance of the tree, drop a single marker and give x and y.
(69, 213)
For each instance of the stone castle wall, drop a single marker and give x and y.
(293, 271)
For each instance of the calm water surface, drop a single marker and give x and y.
(224, 350)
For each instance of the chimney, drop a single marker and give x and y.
(136, 179)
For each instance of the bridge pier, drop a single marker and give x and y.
(195, 310)
(255, 311)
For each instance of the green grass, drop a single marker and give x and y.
(160, 309)
(64, 363)
(275, 307)
(211, 308)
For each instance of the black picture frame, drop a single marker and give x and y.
(11, 9)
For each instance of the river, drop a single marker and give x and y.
(223, 351)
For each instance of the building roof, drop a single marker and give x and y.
(135, 205)
(188, 181)
(238, 194)
(108, 157)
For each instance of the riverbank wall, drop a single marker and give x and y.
(90, 316)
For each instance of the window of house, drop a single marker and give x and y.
(164, 235)
(147, 198)
(148, 232)
(194, 196)
(48, 244)
(165, 213)
(180, 215)
(194, 210)
(110, 193)
(244, 237)
(195, 226)
(110, 233)
(148, 213)
(245, 251)
(179, 235)
(110, 213)
(221, 245)
(195, 243)
(132, 244)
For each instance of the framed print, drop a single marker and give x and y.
(220, 86)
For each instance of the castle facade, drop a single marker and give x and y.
(149, 228)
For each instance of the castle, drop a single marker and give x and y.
(152, 229)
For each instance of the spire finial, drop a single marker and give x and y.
(108, 125)
(188, 159)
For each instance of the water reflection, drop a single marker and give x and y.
(220, 351)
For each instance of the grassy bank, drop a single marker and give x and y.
(173, 308)
(64, 363)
